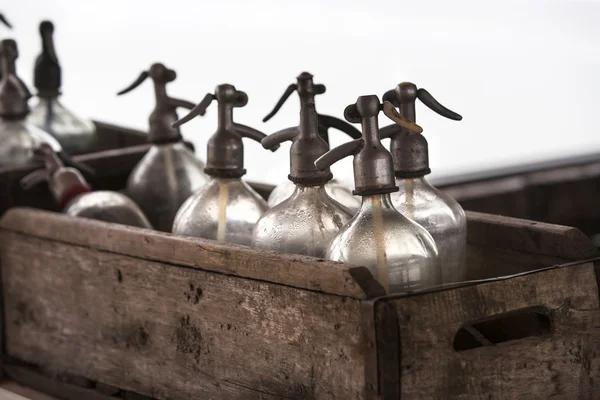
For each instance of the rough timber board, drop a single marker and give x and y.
(171, 332)
(564, 364)
(292, 270)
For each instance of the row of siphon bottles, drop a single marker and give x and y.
(408, 233)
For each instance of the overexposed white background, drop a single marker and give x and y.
(525, 75)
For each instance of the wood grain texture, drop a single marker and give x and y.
(170, 332)
(563, 365)
(291, 270)
(528, 236)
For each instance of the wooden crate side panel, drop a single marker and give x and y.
(292, 270)
(171, 332)
(564, 364)
(495, 231)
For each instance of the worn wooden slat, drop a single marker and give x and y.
(564, 364)
(114, 137)
(51, 387)
(292, 270)
(167, 331)
(528, 236)
(485, 262)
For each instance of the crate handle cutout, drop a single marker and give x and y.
(515, 325)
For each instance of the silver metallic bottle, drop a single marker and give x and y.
(75, 197)
(334, 188)
(305, 222)
(18, 138)
(400, 253)
(169, 173)
(226, 208)
(437, 212)
(75, 135)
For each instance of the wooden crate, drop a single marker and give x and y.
(119, 150)
(93, 310)
(563, 191)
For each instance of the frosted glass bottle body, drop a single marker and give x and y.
(108, 207)
(334, 188)
(400, 253)
(443, 218)
(225, 209)
(18, 140)
(304, 223)
(165, 177)
(74, 134)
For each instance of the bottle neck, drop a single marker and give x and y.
(225, 117)
(376, 202)
(416, 183)
(309, 124)
(160, 92)
(302, 190)
(8, 68)
(370, 129)
(408, 111)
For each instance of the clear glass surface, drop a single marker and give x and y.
(108, 207)
(166, 177)
(74, 134)
(225, 210)
(443, 218)
(18, 140)
(304, 223)
(400, 253)
(334, 188)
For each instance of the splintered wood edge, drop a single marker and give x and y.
(529, 236)
(269, 266)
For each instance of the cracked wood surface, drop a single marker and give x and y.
(169, 332)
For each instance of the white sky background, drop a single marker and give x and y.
(525, 75)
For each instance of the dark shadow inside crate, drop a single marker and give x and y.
(520, 324)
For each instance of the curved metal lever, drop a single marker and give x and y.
(46, 31)
(288, 92)
(199, 109)
(275, 139)
(251, 133)
(34, 178)
(181, 103)
(390, 111)
(5, 21)
(433, 104)
(336, 154)
(143, 76)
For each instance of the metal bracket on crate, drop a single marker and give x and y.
(383, 351)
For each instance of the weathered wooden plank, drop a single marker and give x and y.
(562, 363)
(484, 262)
(51, 388)
(114, 137)
(528, 236)
(167, 331)
(292, 270)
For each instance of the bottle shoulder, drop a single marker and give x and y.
(55, 118)
(429, 206)
(167, 165)
(396, 232)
